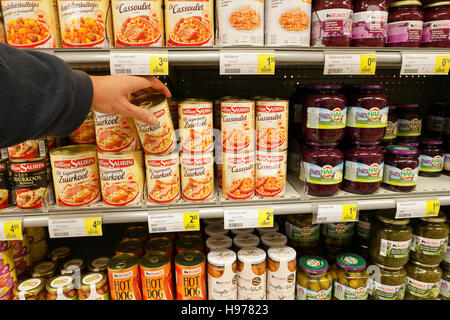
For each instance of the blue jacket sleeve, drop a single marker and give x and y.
(40, 95)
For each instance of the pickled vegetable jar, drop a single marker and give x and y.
(61, 288)
(401, 168)
(430, 239)
(331, 23)
(30, 289)
(423, 281)
(405, 22)
(364, 163)
(390, 240)
(363, 227)
(369, 23)
(322, 168)
(387, 283)
(337, 238)
(444, 293)
(301, 232)
(436, 27)
(431, 158)
(409, 123)
(324, 114)
(314, 282)
(391, 126)
(351, 281)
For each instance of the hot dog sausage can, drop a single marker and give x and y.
(156, 276)
(124, 277)
(160, 244)
(190, 270)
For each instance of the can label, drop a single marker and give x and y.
(7, 283)
(238, 124)
(115, 133)
(125, 284)
(191, 282)
(197, 176)
(270, 173)
(196, 126)
(238, 176)
(29, 149)
(5, 186)
(163, 177)
(85, 133)
(272, 125)
(157, 283)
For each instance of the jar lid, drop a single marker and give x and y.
(129, 245)
(93, 278)
(389, 268)
(215, 228)
(410, 144)
(322, 144)
(222, 257)
(67, 283)
(159, 244)
(251, 255)
(60, 253)
(29, 287)
(402, 150)
(246, 240)
(99, 264)
(44, 268)
(190, 258)
(189, 242)
(441, 217)
(351, 262)
(73, 262)
(219, 242)
(437, 4)
(313, 264)
(123, 261)
(424, 264)
(389, 218)
(433, 142)
(405, 3)
(281, 253)
(270, 239)
(367, 143)
(370, 87)
(408, 105)
(326, 86)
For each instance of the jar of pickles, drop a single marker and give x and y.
(61, 288)
(44, 269)
(351, 282)
(363, 226)
(94, 286)
(430, 238)
(387, 283)
(302, 233)
(30, 289)
(444, 293)
(390, 240)
(314, 282)
(337, 238)
(423, 281)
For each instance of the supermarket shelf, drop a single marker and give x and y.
(293, 202)
(386, 57)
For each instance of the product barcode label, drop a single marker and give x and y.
(417, 209)
(413, 71)
(42, 148)
(159, 229)
(425, 64)
(248, 218)
(139, 63)
(232, 70)
(336, 70)
(75, 227)
(173, 222)
(61, 234)
(350, 63)
(244, 62)
(336, 213)
(126, 71)
(236, 225)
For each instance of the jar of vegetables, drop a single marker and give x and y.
(431, 158)
(337, 238)
(444, 293)
(30, 289)
(401, 168)
(352, 279)
(301, 232)
(391, 126)
(409, 123)
(387, 283)
(429, 241)
(314, 282)
(363, 226)
(390, 240)
(423, 281)
(61, 288)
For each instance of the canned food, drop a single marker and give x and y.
(251, 274)
(98, 264)
(238, 125)
(281, 265)
(171, 235)
(238, 175)
(124, 278)
(190, 275)
(130, 246)
(61, 254)
(38, 250)
(29, 149)
(189, 243)
(73, 266)
(197, 176)
(273, 239)
(163, 177)
(85, 133)
(270, 173)
(215, 229)
(30, 289)
(156, 276)
(196, 126)
(160, 138)
(138, 24)
(218, 242)
(75, 175)
(2, 30)
(136, 232)
(121, 177)
(272, 118)
(7, 282)
(52, 143)
(246, 240)
(183, 234)
(222, 275)
(61, 288)
(44, 269)
(94, 286)
(160, 244)
(5, 185)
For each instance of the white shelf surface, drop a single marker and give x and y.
(295, 201)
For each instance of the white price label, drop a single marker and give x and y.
(173, 222)
(139, 63)
(343, 64)
(417, 209)
(74, 227)
(425, 64)
(235, 62)
(336, 213)
(248, 218)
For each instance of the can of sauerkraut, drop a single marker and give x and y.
(163, 177)
(197, 176)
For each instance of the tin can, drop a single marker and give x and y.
(159, 244)
(222, 275)
(218, 242)
(30, 289)
(237, 125)
(130, 246)
(38, 250)
(156, 276)
(85, 133)
(5, 185)
(189, 243)
(44, 269)
(190, 270)
(197, 176)
(272, 118)
(75, 175)
(61, 288)
(2, 30)
(160, 138)
(136, 232)
(115, 133)
(270, 173)
(171, 235)
(251, 274)
(281, 265)
(238, 175)
(60, 254)
(94, 286)
(183, 234)
(98, 264)
(124, 278)
(29, 149)
(163, 177)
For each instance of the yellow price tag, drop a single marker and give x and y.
(93, 226)
(159, 65)
(191, 221)
(442, 65)
(349, 212)
(433, 207)
(13, 230)
(266, 63)
(368, 64)
(265, 218)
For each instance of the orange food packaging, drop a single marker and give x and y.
(238, 175)
(190, 270)
(85, 133)
(237, 125)
(270, 173)
(124, 277)
(29, 149)
(272, 118)
(138, 23)
(156, 276)
(197, 176)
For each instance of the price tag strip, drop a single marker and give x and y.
(425, 64)
(248, 218)
(336, 213)
(173, 222)
(417, 209)
(350, 64)
(75, 227)
(139, 63)
(11, 230)
(245, 63)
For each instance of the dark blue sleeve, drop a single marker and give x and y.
(40, 95)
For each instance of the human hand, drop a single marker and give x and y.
(111, 94)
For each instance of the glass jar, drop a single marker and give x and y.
(401, 168)
(44, 269)
(431, 158)
(390, 240)
(352, 280)
(215, 229)
(324, 114)
(430, 239)
(337, 238)
(405, 22)
(245, 240)
(271, 239)
(444, 293)
(363, 227)
(314, 282)
(369, 23)
(322, 168)
(368, 114)
(331, 23)
(363, 172)
(218, 242)
(303, 235)
(387, 283)
(61, 288)
(446, 168)
(435, 122)
(274, 228)
(391, 126)
(436, 26)
(409, 123)
(94, 286)
(30, 289)
(423, 281)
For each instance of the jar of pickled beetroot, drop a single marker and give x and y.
(324, 114)
(431, 158)
(405, 22)
(435, 121)
(364, 163)
(322, 168)
(446, 169)
(391, 127)
(369, 23)
(368, 114)
(331, 23)
(409, 123)
(436, 26)
(401, 168)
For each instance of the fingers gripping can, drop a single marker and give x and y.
(190, 275)
(156, 276)
(124, 278)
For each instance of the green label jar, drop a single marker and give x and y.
(352, 278)
(313, 281)
(338, 230)
(303, 234)
(422, 289)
